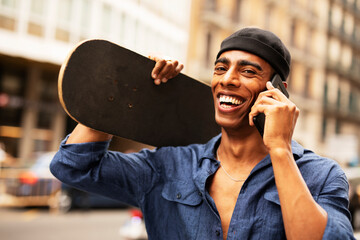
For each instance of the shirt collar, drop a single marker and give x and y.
(211, 147)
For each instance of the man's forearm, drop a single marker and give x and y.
(303, 217)
(83, 134)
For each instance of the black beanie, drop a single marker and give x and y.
(262, 43)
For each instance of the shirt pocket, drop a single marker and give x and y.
(182, 192)
(273, 226)
(183, 209)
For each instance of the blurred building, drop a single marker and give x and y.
(323, 37)
(37, 35)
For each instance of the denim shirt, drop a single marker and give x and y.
(169, 185)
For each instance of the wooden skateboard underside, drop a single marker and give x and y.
(109, 88)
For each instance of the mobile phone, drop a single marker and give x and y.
(259, 120)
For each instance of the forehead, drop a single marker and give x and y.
(234, 56)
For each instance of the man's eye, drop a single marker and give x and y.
(220, 69)
(249, 71)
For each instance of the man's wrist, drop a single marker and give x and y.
(280, 152)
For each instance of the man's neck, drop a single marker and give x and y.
(244, 148)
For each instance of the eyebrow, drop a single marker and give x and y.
(239, 63)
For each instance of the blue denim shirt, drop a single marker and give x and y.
(169, 185)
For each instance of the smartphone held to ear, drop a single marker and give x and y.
(259, 120)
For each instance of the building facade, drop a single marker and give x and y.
(341, 116)
(37, 35)
(323, 37)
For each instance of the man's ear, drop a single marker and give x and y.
(285, 84)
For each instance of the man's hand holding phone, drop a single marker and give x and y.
(281, 115)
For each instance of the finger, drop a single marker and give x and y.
(269, 85)
(281, 96)
(178, 69)
(170, 70)
(264, 94)
(156, 58)
(157, 81)
(254, 112)
(166, 71)
(261, 106)
(275, 94)
(268, 101)
(158, 68)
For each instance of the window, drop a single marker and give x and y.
(307, 79)
(37, 17)
(337, 126)
(8, 14)
(325, 96)
(336, 16)
(334, 50)
(236, 13)
(324, 128)
(354, 98)
(309, 41)
(208, 47)
(292, 32)
(85, 19)
(346, 57)
(12, 84)
(269, 16)
(338, 98)
(349, 24)
(62, 32)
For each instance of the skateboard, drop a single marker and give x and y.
(109, 88)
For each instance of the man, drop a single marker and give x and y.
(237, 186)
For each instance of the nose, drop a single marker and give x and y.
(231, 78)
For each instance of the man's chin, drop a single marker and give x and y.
(233, 124)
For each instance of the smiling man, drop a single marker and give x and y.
(237, 186)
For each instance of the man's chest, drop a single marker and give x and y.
(225, 193)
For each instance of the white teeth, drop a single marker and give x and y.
(229, 99)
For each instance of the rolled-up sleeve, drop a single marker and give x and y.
(334, 199)
(91, 167)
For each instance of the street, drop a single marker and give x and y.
(39, 224)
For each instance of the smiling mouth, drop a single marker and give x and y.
(229, 101)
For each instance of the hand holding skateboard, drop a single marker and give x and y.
(165, 69)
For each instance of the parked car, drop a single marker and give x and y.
(72, 198)
(33, 186)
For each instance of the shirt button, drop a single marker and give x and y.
(178, 196)
(200, 194)
(217, 232)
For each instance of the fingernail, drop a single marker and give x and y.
(164, 80)
(157, 81)
(154, 75)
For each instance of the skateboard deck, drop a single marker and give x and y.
(109, 88)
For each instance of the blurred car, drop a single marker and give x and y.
(353, 176)
(72, 198)
(33, 186)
